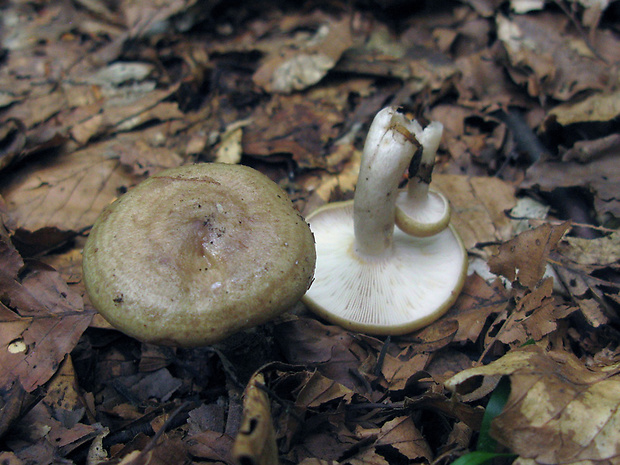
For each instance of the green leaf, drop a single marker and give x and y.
(497, 401)
(479, 458)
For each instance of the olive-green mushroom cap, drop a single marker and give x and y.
(196, 253)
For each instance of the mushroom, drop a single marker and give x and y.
(371, 276)
(421, 211)
(196, 253)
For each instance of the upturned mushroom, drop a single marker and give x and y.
(196, 253)
(371, 276)
(421, 211)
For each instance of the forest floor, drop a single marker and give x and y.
(96, 96)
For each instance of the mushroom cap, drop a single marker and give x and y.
(196, 253)
(424, 216)
(408, 287)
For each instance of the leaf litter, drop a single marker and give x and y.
(95, 97)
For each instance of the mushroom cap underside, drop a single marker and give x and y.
(196, 253)
(406, 288)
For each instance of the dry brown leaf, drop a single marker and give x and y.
(548, 58)
(478, 206)
(401, 434)
(159, 385)
(48, 430)
(599, 251)
(584, 151)
(55, 320)
(9, 458)
(477, 301)
(333, 187)
(524, 258)
(318, 390)
(63, 395)
(397, 372)
(293, 125)
(335, 352)
(255, 443)
(211, 445)
(302, 65)
(68, 193)
(581, 266)
(599, 176)
(397, 436)
(37, 110)
(597, 107)
(559, 411)
(534, 316)
(408, 58)
(484, 84)
(147, 17)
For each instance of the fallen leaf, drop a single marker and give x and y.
(402, 434)
(318, 390)
(256, 442)
(334, 351)
(524, 258)
(63, 395)
(598, 176)
(558, 411)
(484, 83)
(600, 251)
(55, 321)
(477, 301)
(534, 315)
(69, 193)
(548, 59)
(211, 445)
(304, 64)
(385, 54)
(585, 268)
(597, 107)
(292, 124)
(478, 207)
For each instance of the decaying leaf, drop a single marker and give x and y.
(477, 301)
(559, 410)
(398, 436)
(534, 315)
(292, 125)
(575, 264)
(599, 176)
(303, 65)
(597, 107)
(45, 318)
(524, 258)
(543, 59)
(479, 205)
(334, 351)
(318, 390)
(256, 443)
(68, 193)
(95, 96)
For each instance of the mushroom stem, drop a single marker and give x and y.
(429, 138)
(389, 148)
(420, 177)
(417, 190)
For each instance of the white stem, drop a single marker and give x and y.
(429, 138)
(417, 190)
(388, 150)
